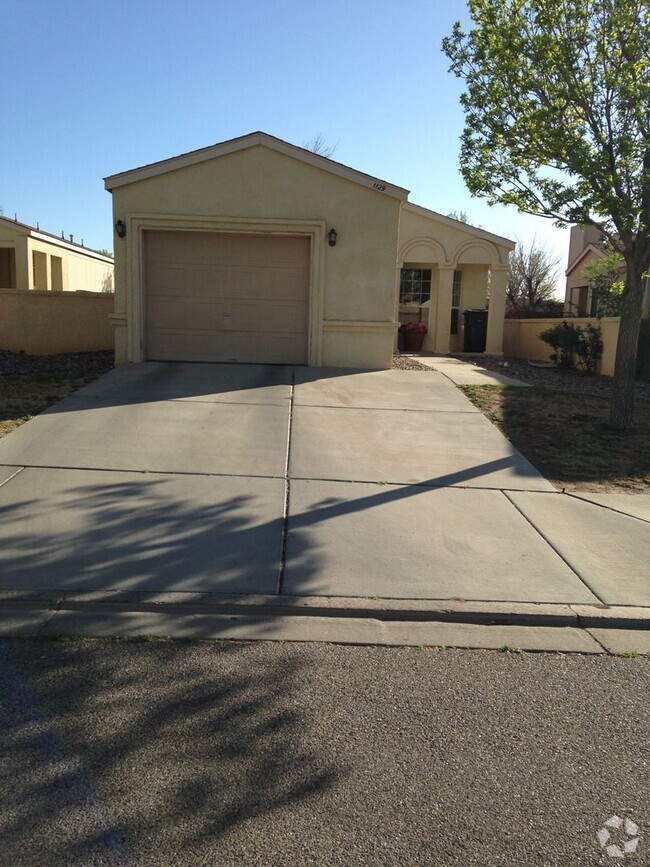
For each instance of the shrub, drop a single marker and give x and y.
(570, 342)
(563, 339)
(590, 347)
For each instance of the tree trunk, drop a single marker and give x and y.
(622, 406)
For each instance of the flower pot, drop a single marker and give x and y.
(413, 340)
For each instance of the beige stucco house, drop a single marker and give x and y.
(31, 259)
(254, 250)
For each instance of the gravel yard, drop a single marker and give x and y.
(574, 381)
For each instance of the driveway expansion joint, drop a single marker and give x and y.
(554, 548)
(576, 496)
(12, 476)
(287, 486)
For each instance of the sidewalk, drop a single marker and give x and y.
(465, 373)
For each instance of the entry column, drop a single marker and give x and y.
(443, 316)
(496, 311)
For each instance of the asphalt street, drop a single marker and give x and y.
(226, 753)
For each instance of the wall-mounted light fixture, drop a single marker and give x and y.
(120, 228)
(331, 237)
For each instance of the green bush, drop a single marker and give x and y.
(590, 347)
(563, 339)
(570, 342)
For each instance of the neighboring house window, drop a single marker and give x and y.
(583, 297)
(7, 268)
(455, 303)
(415, 285)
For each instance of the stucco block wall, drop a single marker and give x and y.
(46, 323)
(521, 339)
(258, 184)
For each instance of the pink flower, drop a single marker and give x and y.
(413, 327)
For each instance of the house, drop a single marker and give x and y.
(31, 259)
(254, 250)
(586, 245)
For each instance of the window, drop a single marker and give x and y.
(7, 268)
(455, 304)
(415, 285)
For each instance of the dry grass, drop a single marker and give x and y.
(28, 385)
(21, 398)
(568, 439)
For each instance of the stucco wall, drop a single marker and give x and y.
(45, 323)
(80, 273)
(521, 339)
(357, 277)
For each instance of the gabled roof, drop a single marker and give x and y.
(590, 248)
(251, 140)
(458, 224)
(39, 235)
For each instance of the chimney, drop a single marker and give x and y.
(72, 239)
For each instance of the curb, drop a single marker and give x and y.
(486, 613)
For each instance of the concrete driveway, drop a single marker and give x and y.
(267, 480)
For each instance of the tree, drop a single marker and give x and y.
(557, 123)
(532, 277)
(607, 283)
(318, 146)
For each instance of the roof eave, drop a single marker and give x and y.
(590, 248)
(243, 143)
(465, 227)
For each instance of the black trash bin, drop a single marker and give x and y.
(475, 330)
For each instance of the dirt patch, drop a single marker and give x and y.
(29, 384)
(569, 440)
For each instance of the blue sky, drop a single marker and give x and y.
(100, 87)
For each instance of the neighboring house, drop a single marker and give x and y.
(32, 259)
(585, 246)
(254, 250)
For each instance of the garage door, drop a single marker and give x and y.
(226, 297)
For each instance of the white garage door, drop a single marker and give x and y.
(226, 297)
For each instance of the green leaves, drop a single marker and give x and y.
(557, 107)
